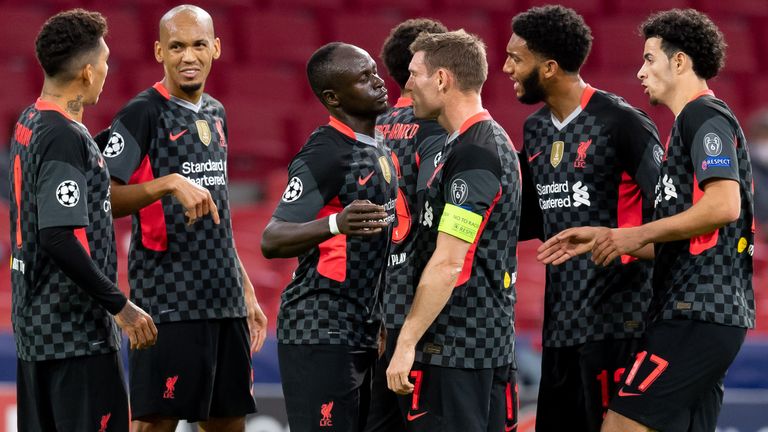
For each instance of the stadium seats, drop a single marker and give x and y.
(742, 8)
(617, 47)
(280, 37)
(19, 32)
(366, 30)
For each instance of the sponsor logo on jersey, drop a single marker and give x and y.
(114, 146)
(104, 421)
(175, 136)
(665, 190)
(203, 131)
(580, 194)
(427, 216)
(742, 245)
(413, 416)
(556, 154)
(576, 195)
(713, 145)
(293, 190)
(437, 158)
(509, 279)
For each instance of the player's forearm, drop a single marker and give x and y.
(719, 206)
(129, 199)
(248, 291)
(287, 239)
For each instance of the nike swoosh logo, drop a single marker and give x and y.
(510, 428)
(534, 156)
(412, 417)
(363, 180)
(174, 137)
(622, 393)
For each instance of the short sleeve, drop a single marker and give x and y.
(130, 136)
(640, 150)
(61, 191)
(713, 150)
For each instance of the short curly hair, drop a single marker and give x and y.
(67, 39)
(555, 32)
(395, 53)
(691, 32)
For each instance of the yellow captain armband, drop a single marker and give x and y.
(460, 223)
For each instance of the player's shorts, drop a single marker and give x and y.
(384, 413)
(72, 395)
(197, 370)
(452, 399)
(577, 383)
(326, 387)
(675, 383)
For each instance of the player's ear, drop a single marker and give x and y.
(330, 98)
(216, 48)
(550, 68)
(443, 79)
(158, 52)
(86, 73)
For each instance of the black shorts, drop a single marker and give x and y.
(77, 394)
(326, 387)
(384, 413)
(452, 399)
(675, 383)
(197, 370)
(577, 384)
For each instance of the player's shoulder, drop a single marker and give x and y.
(325, 145)
(212, 104)
(145, 104)
(703, 108)
(614, 109)
(58, 137)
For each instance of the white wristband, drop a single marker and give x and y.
(332, 224)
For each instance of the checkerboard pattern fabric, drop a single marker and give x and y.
(416, 146)
(52, 317)
(475, 329)
(598, 169)
(178, 272)
(336, 293)
(709, 278)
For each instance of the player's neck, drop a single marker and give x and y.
(67, 97)
(686, 90)
(458, 108)
(360, 125)
(565, 96)
(176, 91)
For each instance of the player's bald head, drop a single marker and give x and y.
(185, 15)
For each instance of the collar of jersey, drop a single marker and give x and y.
(42, 105)
(468, 123)
(160, 88)
(586, 95)
(403, 102)
(347, 131)
(707, 92)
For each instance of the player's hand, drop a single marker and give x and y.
(197, 200)
(399, 369)
(614, 243)
(568, 244)
(362, 218)
(139, 326)
(257, 321)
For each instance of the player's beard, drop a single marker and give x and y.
(533, 92)
(191, 89)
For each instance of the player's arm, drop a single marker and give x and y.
(719, 205)
(69, 255)
(716, 171)
(435, 287)
(257, 321)
(128, 199)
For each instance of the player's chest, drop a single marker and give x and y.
(189, 134)
(369, 175)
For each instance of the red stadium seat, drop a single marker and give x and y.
(22, 23)
(511, 115)
(508, 6)
(617, 45)
(741, 55)
(583, 7)
(280, 37)
(740, 8)
(275, 86)
(477, 23)
(365, 30)
(127, 35)
(646, 7)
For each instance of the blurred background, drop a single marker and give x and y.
(261, 81)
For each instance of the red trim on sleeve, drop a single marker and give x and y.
(151, 218)
(468, 123)
(629, 212)
(586, 95)
(466, 269)
(82, 237)
(705, 241)
(162, 90)
(43, 105)
(341, 127)
(333, 252)
(418, 159)
(403, 102)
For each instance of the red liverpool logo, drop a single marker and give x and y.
(104, 421)
(325, 411)
(582, 154)
(170, 387)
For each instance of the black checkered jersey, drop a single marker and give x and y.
(335, 295)
(709, 277)
(599, 167)
(177, 272)
(58, 179)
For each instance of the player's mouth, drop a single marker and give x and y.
(382, 97)
(189, 73)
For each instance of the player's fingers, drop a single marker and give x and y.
(214, 211)
(405, 384)
(131, 337)
(262, 336)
